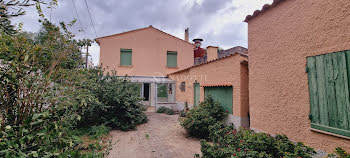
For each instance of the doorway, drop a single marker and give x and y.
(146, 92)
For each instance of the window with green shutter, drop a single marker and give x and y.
(328, 76)
(172, 59)
(125, 57)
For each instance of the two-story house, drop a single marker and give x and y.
(146, 55)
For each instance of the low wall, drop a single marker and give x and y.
(237, 121)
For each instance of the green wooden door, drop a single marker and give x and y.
(221, 94)
(196, 93)
(329, 92)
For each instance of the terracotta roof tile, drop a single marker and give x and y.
(242, 54)
(149, 27)
(263, 9)
(237, 49)
(216, 85)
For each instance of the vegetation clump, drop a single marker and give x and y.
(183, 112)
(201, 117)
(219, 140)
(165, 110)
(227, 142)
(47, 97)
(339, 153)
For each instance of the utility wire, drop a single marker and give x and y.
(79, 19)
(93, 26)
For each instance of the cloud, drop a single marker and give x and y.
(218, 22)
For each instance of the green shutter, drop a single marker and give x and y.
(125, 57)
(329, 92)
(223, 95)
(172, 59)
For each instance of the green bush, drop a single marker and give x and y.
(200, 118)
(41, 135)
(165, 110)
(106, 99)
(37, 103)
(122, 108)
(339, 153)
(183, 113)
(45, 94)
(231, 143)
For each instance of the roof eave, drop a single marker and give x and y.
(218, 59)
(263, 9)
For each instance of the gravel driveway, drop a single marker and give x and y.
(161, 137)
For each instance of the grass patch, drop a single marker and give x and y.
(94, 141)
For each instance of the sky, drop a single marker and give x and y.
(218, 22)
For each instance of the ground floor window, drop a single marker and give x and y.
(329, 77)
(162, 92)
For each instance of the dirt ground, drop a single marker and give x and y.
(161, 137)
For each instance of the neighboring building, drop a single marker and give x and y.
(146, 55)
(237, 49)
(89, 63)
(299, 72)
(225, 79)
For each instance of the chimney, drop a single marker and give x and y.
(212, 52)
(187, 35)
(197, 42)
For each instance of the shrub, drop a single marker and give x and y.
(37, 104)
(107, 99)
(41, 135)
(228, 142)
(185, 110)
(122, 108)
(162, 109)
(165, 110)
(339, 153)
(44, 94)
(182, 113)
(200, 118)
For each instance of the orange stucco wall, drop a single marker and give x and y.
(226, 71)
(279, 40)
(149, 52)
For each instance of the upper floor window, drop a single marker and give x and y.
(172, 59)
(125, 57)
(329, 77)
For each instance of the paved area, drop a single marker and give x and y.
(161, 137)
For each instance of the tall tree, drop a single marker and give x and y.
(87, 43)
(14, 8)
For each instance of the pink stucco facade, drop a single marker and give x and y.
(279, 40)
(228, 71)
(149, 52)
